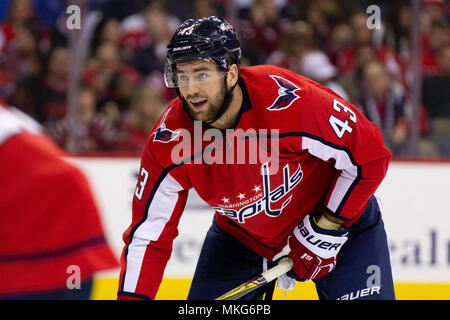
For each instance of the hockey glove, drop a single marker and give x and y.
(314, 250)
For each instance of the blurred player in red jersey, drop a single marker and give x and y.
(50, 229)
(312, 200)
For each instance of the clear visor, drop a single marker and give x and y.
(194, 76)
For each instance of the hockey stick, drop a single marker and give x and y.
(281, 268)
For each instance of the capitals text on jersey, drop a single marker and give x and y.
(268, 197)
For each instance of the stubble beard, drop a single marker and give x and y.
(214, 105)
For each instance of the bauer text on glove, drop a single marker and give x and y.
(314, 249)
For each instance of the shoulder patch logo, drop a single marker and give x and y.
(162, 133)
(286, 94)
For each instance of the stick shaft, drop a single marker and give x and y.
(281, 268)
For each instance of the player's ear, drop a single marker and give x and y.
(233, 75)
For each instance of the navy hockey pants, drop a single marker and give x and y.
(363, 270)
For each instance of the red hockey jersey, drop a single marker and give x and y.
(322, 154)
(49, 220)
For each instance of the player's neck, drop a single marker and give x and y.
(228, 119)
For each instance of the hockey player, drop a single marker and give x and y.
(313, 200)
(51, 238)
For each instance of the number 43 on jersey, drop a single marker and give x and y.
(341, 127)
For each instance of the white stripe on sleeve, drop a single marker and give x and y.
(349, 170)
(158, 214)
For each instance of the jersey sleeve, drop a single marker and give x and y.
(159, 200)
(337, 132)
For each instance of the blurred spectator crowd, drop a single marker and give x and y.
(122, 92)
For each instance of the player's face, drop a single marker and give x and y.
(202, 86)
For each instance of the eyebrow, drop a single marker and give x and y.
(197, 69)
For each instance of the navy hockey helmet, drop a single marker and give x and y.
(211, 39)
